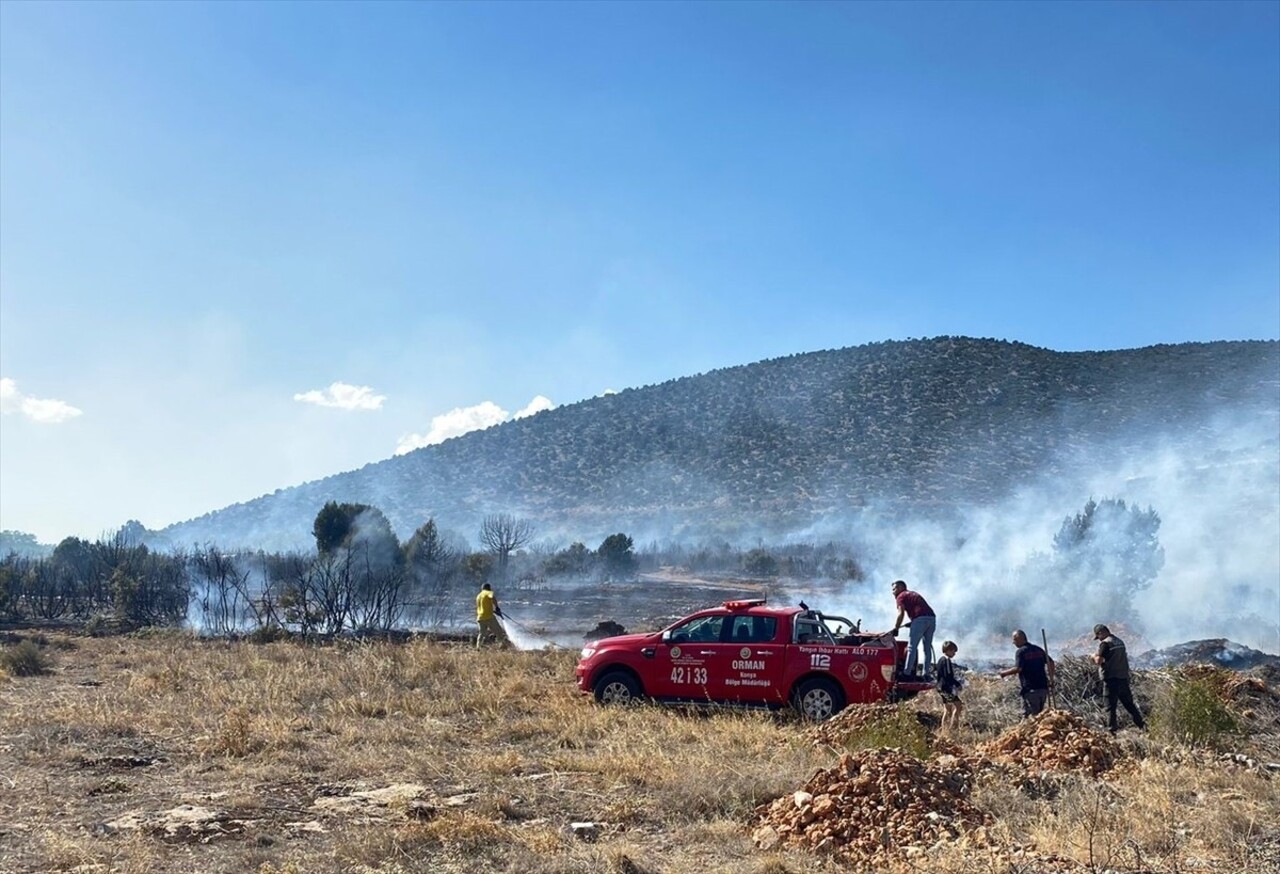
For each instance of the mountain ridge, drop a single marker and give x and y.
(902, 426)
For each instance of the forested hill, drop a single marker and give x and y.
(917, 426)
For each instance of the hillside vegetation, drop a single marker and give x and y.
(914, 427)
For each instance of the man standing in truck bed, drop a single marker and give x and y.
(923, 622)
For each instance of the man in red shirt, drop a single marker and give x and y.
(923, 622)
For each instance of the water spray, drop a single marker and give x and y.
(527, 632)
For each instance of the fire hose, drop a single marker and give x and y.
(505, 618)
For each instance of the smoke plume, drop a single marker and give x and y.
(991, 569)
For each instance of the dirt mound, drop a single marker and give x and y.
(858, 717)
(1055, 740)
(1086, 644)
(873, 803)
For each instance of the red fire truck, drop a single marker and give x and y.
(746, 652)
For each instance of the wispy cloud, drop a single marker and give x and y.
(462, 420)
(46, 411)
(342, 396)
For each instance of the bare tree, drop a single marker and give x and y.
(502, 534)
(44, 588)
(219, 584)
(432, 567)
(381, 589)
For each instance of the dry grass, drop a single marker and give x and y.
(494, 754)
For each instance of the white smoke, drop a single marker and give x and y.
(463, 420)
(343, 396)
(45, 411)
(1221, 534)
(988, 570)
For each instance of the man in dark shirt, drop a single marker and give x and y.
(923, 623)
(1113, 666)
(1035, 670)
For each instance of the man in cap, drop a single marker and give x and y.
(1035, 671)
(923, 623)
(1113, 666)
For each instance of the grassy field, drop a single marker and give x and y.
(168, 753)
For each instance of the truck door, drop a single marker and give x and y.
(753, 665)
(870, 672)
(858, 669)
(687, 658)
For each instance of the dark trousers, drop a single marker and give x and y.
(1033, 701)
(1118, 692)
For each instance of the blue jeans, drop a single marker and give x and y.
(921, 631)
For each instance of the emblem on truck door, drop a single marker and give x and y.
(858, 672)
(744, 653)
(675, 652)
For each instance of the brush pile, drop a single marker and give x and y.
(871, 804)
(1055, 741)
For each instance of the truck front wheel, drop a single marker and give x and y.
(617, 687)
(818, 699)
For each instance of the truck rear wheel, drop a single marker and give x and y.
(617, 687)
(818, 699)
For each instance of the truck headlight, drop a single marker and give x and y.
(588, 651)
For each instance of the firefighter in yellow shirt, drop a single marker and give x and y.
(487, 613)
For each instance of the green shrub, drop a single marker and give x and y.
(1190, 712)
(25, 659)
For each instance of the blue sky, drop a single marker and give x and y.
(247, 245)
